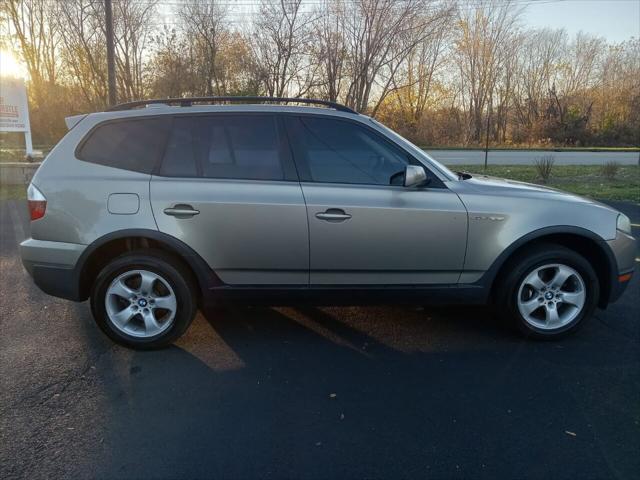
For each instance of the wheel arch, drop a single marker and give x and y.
(105, 248)
(585, 242)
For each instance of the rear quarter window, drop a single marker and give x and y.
(135, 145)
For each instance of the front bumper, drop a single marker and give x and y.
(52, 265)
(624, 248)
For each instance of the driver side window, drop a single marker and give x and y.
(337, 151)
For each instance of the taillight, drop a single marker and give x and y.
(37, 202)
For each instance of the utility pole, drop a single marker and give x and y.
(111, 67)
(486, 145)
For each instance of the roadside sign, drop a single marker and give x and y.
(14, 109)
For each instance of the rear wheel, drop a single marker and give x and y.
(144, 299)
(549, 292)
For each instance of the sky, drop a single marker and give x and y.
(615, 20)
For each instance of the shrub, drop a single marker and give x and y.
(544, 165)
(610, 169)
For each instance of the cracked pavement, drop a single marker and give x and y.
(383, 392)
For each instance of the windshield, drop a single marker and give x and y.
(420, 153)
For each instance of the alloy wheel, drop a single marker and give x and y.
(141, 303)
(551, 296)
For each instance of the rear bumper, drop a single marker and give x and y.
(57, 281)
(52, 266)
(624, 248)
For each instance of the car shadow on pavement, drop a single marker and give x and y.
(334, 393)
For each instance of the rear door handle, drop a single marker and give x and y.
(333, 215)
(181, 211)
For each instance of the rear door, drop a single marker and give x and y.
(227, 187)
(365, 227)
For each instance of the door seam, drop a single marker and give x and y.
(282, 126)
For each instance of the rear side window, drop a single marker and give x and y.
(135, 145)
(225, 146)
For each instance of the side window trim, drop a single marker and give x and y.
(289, 169)
(158, 170)
(303, 168)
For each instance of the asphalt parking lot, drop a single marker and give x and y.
(376, 392)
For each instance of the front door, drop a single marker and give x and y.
(364, 228)
(227, 188)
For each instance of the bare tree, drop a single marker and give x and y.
(485, 31)
(414, 83)
(570, 110)
(132, 22)
(83, 50)
(380, 35)
(202, 55)
(33, 32)
(205, 24)
(329, 49)
(281, 39)
(505, 89)
(237, 69)
(172, 63)
(83, 33)
(29, 28)
(580, 64)
(538, 58)
(618, 92)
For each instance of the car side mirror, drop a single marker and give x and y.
(415, 176)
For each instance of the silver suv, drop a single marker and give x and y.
(156, 208)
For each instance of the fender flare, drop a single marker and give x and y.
(205, 276)
(489, 277)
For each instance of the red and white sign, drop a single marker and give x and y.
(14, 112)
(14, 109)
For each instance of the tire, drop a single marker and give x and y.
(536, 278)
(134, 317)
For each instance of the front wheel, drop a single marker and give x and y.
(549, 293)
(144, 299)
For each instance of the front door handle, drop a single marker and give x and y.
(333, 215)
(181, 211)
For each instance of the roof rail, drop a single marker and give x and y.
(189, 101)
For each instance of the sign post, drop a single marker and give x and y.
(14, 110)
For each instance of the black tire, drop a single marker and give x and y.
(173, 271)
(515, 272)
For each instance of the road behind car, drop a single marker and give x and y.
(313, 392)
(528, 157)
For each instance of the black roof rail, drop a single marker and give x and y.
(189, 101)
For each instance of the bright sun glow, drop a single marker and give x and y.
(10, 66)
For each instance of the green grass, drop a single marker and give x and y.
(584, 180)
(11, 155)
(17, 154)
(13, 192)
(538, 149)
